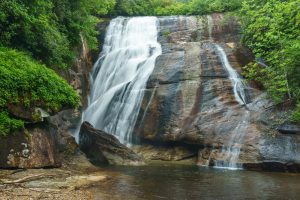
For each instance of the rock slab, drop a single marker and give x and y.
(103, 148)
(31, 148)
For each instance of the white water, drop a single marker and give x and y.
(230, 152)
(120, 75)
(237, 82)
(210, 23)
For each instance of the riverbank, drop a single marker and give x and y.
(71, 181)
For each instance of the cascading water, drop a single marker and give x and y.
(231, 151)
(238, 84)
(210, 23)
(120, 75)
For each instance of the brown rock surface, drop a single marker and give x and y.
(190, 100)
(103, 148)
(31, 148)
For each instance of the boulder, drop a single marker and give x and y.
(103, 148)
(34, 147)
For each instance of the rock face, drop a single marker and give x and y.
(176, 153)
(190, 100)
(79, 74)
(32, 148)
(65, 123)
(289, 129)
(103, 148)
(47, 137)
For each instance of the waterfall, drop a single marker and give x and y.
(120, 75)
(231, 151)
(238, 84)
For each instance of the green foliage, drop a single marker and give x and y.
(29, 84)
(174, 7)
(50, 30)
(198, 7)
(296, 114)
(8, 124)
(164, 8)
(272, 30)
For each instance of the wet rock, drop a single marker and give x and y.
(31, 148)
(176, 153)
(103, 148)
(32, 115)
(190, 99)
(289, 129)
(65, 123)
(274, 166)
(71, 182)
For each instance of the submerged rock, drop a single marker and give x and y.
(103, 148)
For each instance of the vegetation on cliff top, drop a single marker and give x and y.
(174, 7)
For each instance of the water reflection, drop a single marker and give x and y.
(189, 182)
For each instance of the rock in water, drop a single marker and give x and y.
(103, 148)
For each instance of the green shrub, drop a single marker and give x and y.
(271, 30)
(50, 30)
(8, 124)
(174, 7)
(30, 84)
(296, 114)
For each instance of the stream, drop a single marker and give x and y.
(173, 181)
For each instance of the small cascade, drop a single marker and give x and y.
(120, 75)
(231, 151)
(210, 24)
(238, 85)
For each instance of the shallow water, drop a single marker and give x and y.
(191, 182)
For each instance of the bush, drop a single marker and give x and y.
(296, 114)
(8, 124)
(50, 30)
(174, 7)
(271, 31)
(30, 84)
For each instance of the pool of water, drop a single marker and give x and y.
(165, 181)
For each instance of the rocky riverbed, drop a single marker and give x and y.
(71, 181)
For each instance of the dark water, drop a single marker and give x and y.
(191, 182)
